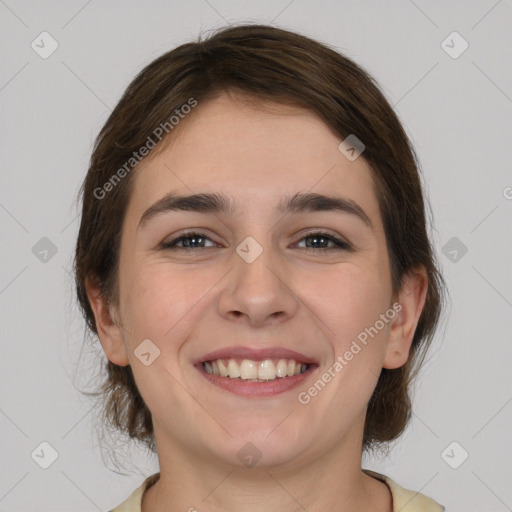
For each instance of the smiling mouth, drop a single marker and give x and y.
(249, 370)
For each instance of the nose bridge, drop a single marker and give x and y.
(257, 286)
(253, 261)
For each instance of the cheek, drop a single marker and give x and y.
(161, 301)
(349, 300)
(360, 350)
(160, 305)
(351, 304)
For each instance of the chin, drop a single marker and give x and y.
(255, 448)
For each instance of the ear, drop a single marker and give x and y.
(109, 332)
(411, 300)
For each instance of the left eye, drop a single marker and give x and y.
(192, 238)
(317, 237)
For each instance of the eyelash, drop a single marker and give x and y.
(340, 244)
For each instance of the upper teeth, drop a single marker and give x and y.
(247, 369)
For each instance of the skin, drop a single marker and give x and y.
(190, 303)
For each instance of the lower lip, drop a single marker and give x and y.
(256, 389)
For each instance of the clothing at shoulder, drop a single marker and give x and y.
(133, 502)
(403, 499)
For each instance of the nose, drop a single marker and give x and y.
(260, 291)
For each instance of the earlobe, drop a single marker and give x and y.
(411, 300)
(109, 332)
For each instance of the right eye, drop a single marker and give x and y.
(189, 238)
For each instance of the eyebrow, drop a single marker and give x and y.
(220, 203)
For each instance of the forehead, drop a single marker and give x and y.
(254, 153)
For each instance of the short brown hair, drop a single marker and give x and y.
(265, 63)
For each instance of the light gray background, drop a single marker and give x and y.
(458, 114)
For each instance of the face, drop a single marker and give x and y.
(282, 297)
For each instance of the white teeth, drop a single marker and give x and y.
(281, 368)
(247, 369)
(233, 369)
(266, 370)
(222, 369)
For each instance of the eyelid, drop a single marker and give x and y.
(203, 232)
(322, 231)
(340, 242)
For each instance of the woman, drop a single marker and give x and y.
(253, 256)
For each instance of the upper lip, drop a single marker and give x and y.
(255, 354)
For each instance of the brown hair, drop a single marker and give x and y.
(265, 63)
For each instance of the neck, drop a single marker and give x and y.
(190, 482)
